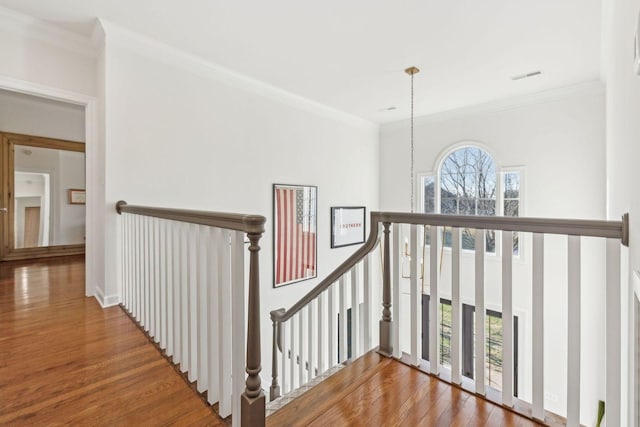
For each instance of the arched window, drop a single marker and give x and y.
(469, 183)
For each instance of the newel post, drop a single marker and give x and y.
(253, 399)
(386, 347)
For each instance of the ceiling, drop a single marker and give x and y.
(350, 55)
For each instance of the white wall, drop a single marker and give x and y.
(183, 134)
(35, 52)
(30, 115)
(70, 220)
(623, 150)
(558, 138)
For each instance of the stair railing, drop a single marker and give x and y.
(305, 336)
(183, 281)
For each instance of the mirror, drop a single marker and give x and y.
(44, 214)
(294, 233)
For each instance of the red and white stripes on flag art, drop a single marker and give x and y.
(295, 239)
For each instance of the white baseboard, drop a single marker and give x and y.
(106, 301)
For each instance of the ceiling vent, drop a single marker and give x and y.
(526, 76)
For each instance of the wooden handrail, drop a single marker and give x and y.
(251, 224)
(572, 227)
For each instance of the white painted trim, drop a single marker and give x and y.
(122, 38)
(593, 86)
(106, 301)
(33, 28)
(92, 283)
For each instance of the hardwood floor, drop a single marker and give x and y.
(377, 391)
(65, 360)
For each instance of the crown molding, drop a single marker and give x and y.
(506, 104)
(123, 38)
(30, 27)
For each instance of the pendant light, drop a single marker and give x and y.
(411, 71)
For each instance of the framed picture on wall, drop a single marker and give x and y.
(347, 225)
(294, 233)
(77, 197)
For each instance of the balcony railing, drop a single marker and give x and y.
(312, 336)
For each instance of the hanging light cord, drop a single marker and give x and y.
(411, 71)
(412, 150)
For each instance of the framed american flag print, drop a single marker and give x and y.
(295, 231)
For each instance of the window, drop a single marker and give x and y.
(493, 341)
(468, 183)
(467, 186)
(511, 201)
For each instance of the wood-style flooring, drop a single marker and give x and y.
(377, 391)
(66, 361)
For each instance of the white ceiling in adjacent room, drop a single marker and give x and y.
(350, 55)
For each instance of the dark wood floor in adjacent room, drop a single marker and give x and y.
(65, 360)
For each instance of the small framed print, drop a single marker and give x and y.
(347, 225)
(77, 197)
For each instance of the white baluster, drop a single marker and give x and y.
(434, 303)
(159, 271)
(332, 332)
(176, 261)
(203, 307)
(162, 284)
(292, 355)
(152, 278)
(192, 289)
(155, 302)
(169, 283)
(139, 271)
(456, 315)
(185, 308)
(284, 376)
(573, 341)
(414, 298)
(396, 240)
(311, 328)
(342, 321)
(301, 333)
(537, 304)
(322, 320)
(224, 280)
(613, 343)
(355, 312)
(130, 263)
(480, 346)
(366, 334)
(238, 323)
(123, 258)
(213, 313)
(145, 274)
(507, 318)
